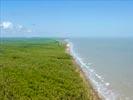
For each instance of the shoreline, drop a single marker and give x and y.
(94, 94)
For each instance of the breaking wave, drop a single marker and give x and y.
(99, 84)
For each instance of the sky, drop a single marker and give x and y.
(66, 18)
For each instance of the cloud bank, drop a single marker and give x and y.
(10, 27)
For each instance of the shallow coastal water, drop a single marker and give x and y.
(108, 63)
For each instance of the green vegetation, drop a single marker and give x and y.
(38, 69)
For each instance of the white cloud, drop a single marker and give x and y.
(9, 26)
(20, 26)
(29, 30)
(6, 25)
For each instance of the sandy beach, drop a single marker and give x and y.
(95, 95)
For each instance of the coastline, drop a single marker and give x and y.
(92, 93)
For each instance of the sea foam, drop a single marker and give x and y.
(97, 81)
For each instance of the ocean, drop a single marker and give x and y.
(107, 63)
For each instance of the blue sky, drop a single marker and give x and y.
(62, 18)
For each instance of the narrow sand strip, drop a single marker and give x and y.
(95, 95)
